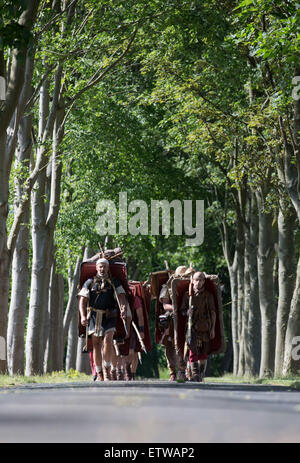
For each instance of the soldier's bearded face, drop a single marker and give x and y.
(102, 269)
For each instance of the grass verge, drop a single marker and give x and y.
(289, 381)
(55, 377)
(74, 376)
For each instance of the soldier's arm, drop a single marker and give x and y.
(83, 310)
(164, 298)
(84, 296)
(166, 304)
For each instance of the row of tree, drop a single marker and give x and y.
(164, 100)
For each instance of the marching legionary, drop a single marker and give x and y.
(201, 310)
(101, 297)
(175, 361)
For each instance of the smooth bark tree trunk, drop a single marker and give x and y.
(240, 302)
(291, 363)
(231, 262)
(72, 305)
(72, 341)
(14, 77)
(40, 260)
(82, 359)
(245, 362)
(4, 257)
(17, 95)
(20, 269)
(4, 293)
(234, 312)
(53, 306)
(286, 279)
(58, 340)
(53, 352)
(43, 226)
(253, 319)
(266, 288)
(292, 173)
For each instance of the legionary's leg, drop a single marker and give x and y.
(171, 359)
(107, 353)
(130, 357)
(92, 365)
(120, 370)
(188, 371)
(181, 368)
(203, 363)
(114, 361)
(128, 362)
(193, 359)
(134, 365)
(97, 344)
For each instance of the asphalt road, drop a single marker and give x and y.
(149, 412)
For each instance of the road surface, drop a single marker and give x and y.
(149, 412)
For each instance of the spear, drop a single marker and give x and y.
(139, 336)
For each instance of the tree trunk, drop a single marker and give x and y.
(228, 357)
(253, 332)
(72, 303)
(245, 362)
(43, 226)
(234, 311)
(20, 270)
(266, 288)
(72, 341)
(4, 292)
(286, 280)
(291, 363)
(53, 351)
(57, 327)
(240, 302)
(232, 270)
(82, 359)
(4, 258)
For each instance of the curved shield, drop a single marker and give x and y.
(179, 288)
(138, 291)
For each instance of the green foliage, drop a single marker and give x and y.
(192, 110)
(12, 34)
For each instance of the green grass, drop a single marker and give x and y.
(55, 377)
(289, 381)
(164, 373)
